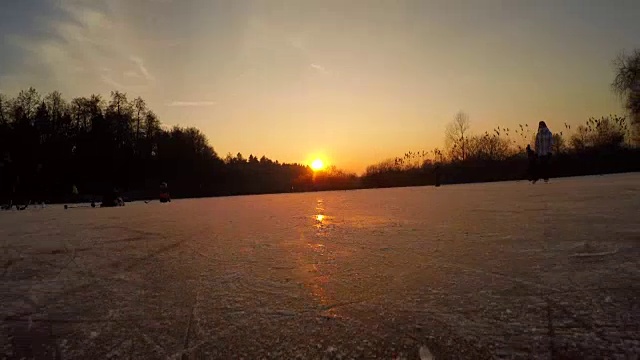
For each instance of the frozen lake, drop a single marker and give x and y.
(508, 270)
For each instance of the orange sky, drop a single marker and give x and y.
(353, 81)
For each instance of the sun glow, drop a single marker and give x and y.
(317, 165)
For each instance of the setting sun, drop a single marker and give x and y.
(317, 164)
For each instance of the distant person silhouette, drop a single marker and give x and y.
(75, 194)
(544, 146)
(112, 199)
(532, 171)
(164, 193)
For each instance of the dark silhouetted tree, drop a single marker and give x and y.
(488, 147)
(97, 145)
(627, 85)
(559, 143)
(604, 133)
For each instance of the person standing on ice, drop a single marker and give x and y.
(544, 146)
(164, 193)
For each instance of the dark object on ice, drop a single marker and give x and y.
(93, 204)
(164, 193)
(66, 207)
(112, 199)
(532, 171)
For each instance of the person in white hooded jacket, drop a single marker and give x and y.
(544, 146)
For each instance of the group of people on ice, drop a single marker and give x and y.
(20, 188)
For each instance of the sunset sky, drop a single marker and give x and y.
(354, 81)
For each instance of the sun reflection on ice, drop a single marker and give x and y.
(319, 278)
(319, 217)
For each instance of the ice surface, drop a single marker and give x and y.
(508, 270)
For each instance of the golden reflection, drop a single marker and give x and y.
(317, 288)
(313, 254)
(319, 217)
(319, 248)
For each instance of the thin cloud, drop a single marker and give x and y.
(320, 68)
(109, 81)
(131, 74)
(140, 63)
(191, 103)
(81, 45)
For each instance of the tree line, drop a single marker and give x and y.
(600, 145)
(96, 144)
(603, 145)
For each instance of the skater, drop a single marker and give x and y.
(164, 193)
(75, 194)
(544, 146)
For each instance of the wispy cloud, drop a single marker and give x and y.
(320, 68)
(191, 103)
(143, 70)
(91, 36)
(131, 74)
(109, 81)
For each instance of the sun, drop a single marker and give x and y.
(317, 165)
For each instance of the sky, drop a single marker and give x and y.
(353, 82)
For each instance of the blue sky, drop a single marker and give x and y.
(354, 81)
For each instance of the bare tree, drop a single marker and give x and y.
(56, 107)
(25, 105)
(456, 136)
(81, 114)
(141, 108)
(627, 85)
(119, 104)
